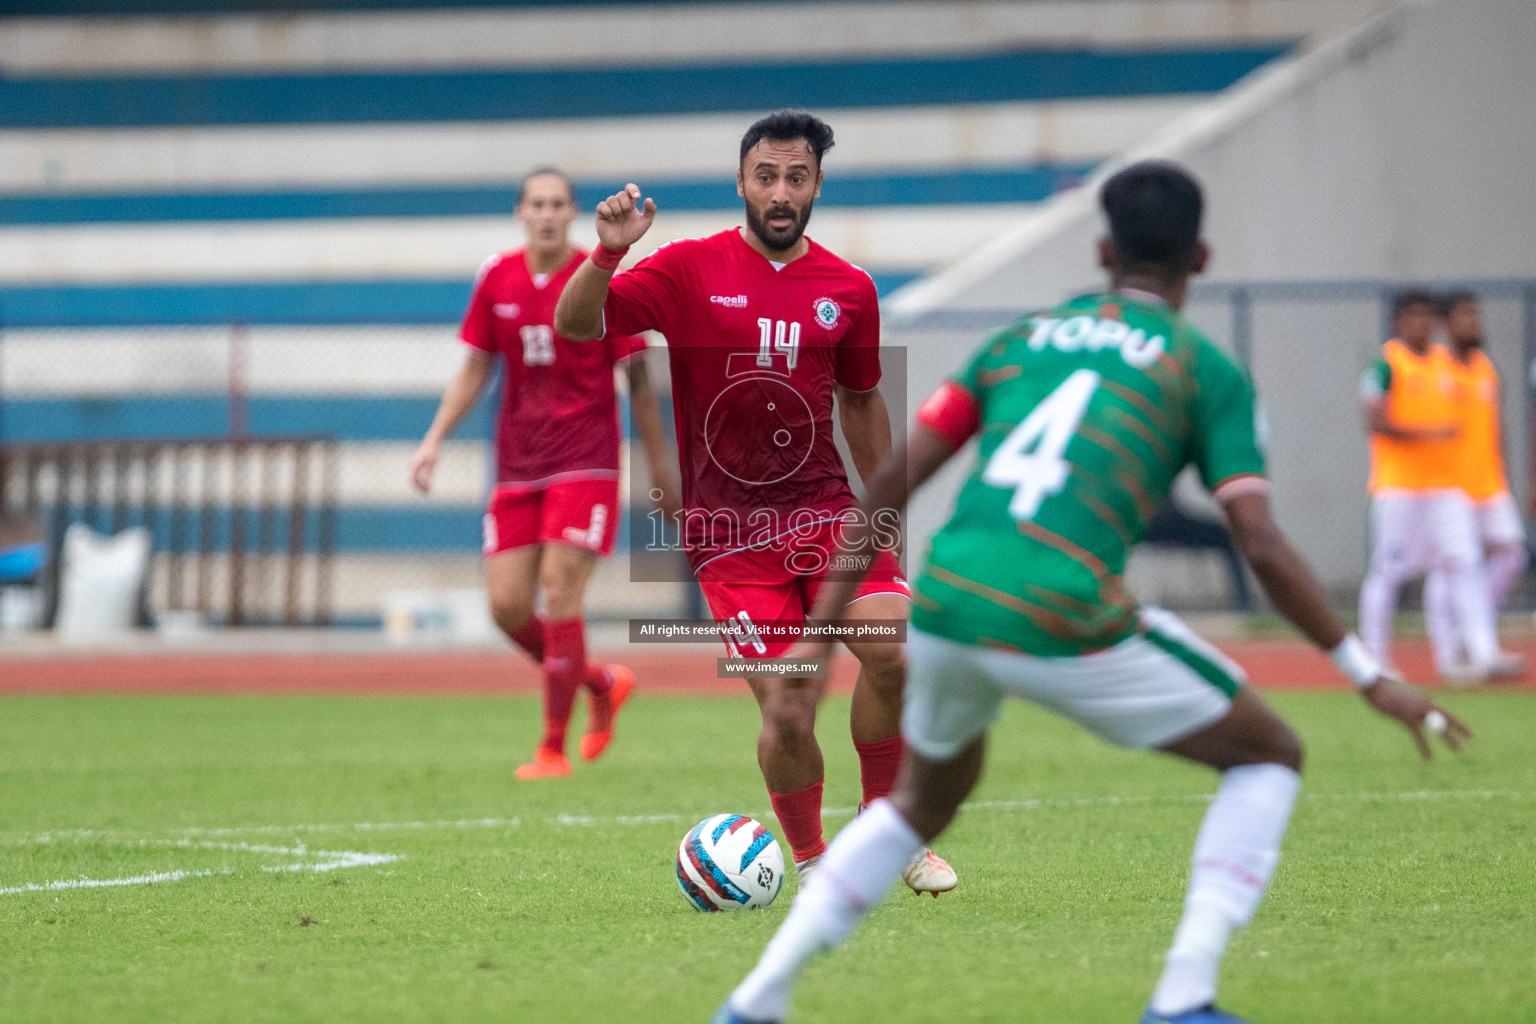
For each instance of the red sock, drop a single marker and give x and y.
(878, 764)
(800, 818)
(597, 680)
(565, 666)
(530, 637)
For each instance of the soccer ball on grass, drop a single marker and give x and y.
(729, 862)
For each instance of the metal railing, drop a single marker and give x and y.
(243, 528)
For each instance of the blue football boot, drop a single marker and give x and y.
(726, 1015)
(1208, 1014)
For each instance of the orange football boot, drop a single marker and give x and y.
(595, 741)
(546, 764)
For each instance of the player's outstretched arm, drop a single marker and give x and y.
(646, 410)
(1298, 595)
(622, 219)
(866, 425)
(462, 393)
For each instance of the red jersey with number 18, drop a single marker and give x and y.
(755, 348)
(559, 416)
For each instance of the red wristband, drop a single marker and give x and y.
(608, 259)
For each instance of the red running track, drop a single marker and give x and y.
(1272, 664)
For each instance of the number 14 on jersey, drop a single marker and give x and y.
(778, 336)
(1030, 458)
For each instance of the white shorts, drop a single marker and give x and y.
(1146, 691)
(1413, 532)
(1498, 521)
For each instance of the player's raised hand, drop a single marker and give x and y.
(1418, 714)
(423, 464)
(622, 218)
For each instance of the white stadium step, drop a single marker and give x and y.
(400, 360)
(889, 237)
(156, 159)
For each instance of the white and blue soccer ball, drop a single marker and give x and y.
(729, 862)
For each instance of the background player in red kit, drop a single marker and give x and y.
(763, 328)
(556, 503)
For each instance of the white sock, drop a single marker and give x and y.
(1439, 622)
(1235, 857)
(854, 874)
(1505, 564)
(1378, 603)
(1474, 613)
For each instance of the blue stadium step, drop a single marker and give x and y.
(264, 302)
(565, 92)
(1016, 184)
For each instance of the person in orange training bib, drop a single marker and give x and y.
(1479, 467)
(1420, 519)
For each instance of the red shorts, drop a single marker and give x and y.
(581, 513)
(788, 598)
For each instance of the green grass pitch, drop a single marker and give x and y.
(1407, 892)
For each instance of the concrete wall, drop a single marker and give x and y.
(1396, 152)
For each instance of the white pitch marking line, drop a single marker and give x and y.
(187, 835)
(331, 860)
(101, 883)
(315, 861)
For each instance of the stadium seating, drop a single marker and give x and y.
(294, 205)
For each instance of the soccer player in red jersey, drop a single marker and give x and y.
(764, 329)
(555, 506)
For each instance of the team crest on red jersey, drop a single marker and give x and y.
(827, 313)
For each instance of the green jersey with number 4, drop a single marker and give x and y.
(1086, 414)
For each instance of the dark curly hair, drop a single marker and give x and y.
(787, 125)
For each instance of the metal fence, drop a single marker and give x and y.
(1306, 344)
(243, 529)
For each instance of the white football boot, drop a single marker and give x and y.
(928, 872)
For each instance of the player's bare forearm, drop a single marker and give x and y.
(461, 394)
(1297, 594)
(458, 399)
(646, 410)
(579, 313)
(867, 427)
(1285, 576)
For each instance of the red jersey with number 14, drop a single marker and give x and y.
(559, 416)
(755, 349)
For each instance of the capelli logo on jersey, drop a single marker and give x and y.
(827, 313)
(729, 301)
(506, 310)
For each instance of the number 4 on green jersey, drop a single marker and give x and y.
(1030, 459)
